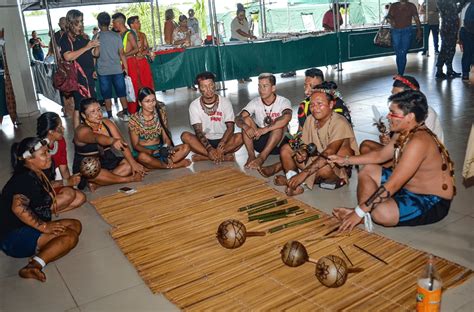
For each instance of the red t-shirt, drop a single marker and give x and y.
(60, 155)
(328, 19)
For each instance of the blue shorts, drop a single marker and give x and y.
(21, 243)
(417, 209)
(107, 81)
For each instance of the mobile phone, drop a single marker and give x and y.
(127, 190)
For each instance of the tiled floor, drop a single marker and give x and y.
(95, 276)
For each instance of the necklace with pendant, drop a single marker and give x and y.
(210, 109)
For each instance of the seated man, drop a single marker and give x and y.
(212, 118)
(420, 186)
(400, 84)
(313, 78)
(264, 132)
(331, 134)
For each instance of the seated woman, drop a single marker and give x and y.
(150, 137)
(96, 136)
(50, 127)
(26, 228)
(182, 33)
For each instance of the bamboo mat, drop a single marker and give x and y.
(167, 231)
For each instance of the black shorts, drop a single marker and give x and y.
(108, 161)
(260, 144)
(214, 143)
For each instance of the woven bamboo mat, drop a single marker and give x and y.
(167, 231)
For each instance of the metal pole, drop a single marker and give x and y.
(159, 22)
(211, 22)
(338, 32)
(218, 43)
(153, 23)
(260, 31)
(345, 14)
(264, 20)
(51, 30)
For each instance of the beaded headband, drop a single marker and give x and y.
(29, 153)
(335, 93)
(405, 81)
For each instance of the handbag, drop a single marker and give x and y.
(65, 77)
(383, 38)
(130, 90)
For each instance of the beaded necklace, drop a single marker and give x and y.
(207, 108)
(447, 162)
(99, 128)
(48, 187)
(150, 129)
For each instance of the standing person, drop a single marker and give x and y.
(76, 46)
(240, 31)
(432, 19)
(36, 46)
(49, 127)
(95, 31)
(331, 134)
(193, 23)
(144, 54)
(400, 16)
(150, 137)
(67, 100)
(328, 18)
(212, 118)
(466, 38)
(264, 122)
(109, 66)
(448, 10)
(170, 25)
(27, 201)
(182, 33)
(418, 189)
(130, 47)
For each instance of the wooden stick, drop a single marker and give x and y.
(268, 206)
(343, 252)
(370, 254)
(281, 216)
(261, 203)
(326, 237)
(274, 213)
(293, 223)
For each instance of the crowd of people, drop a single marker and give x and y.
(456, 27)
(406, 179)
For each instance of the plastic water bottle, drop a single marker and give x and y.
(428, 293)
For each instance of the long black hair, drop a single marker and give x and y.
(18, 148)
(142, 94)
(46, 122)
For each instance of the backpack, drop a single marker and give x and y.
(469, 19)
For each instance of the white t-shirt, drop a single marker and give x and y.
(213, 126)
(260, 111)
(433, 123)
(235, 25)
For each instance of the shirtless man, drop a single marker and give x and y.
(264, 132)
(331, 134)
(212, 118)
(130, 49)
(144, 54)
(418, 189)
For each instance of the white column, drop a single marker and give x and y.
(17, 57)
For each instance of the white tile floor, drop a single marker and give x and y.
(95, 276)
